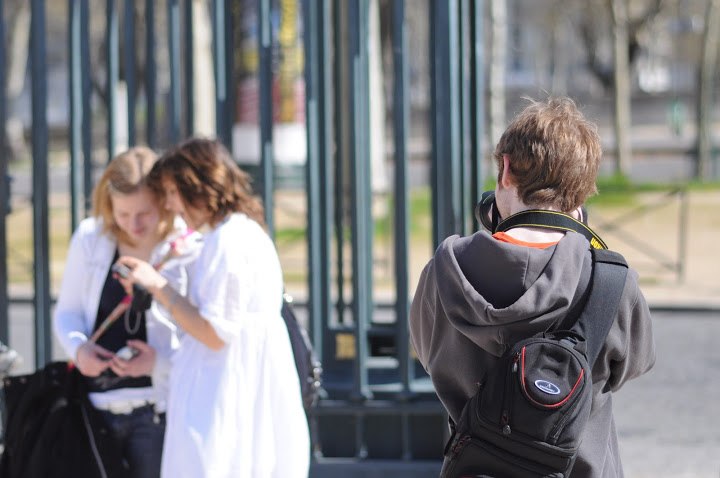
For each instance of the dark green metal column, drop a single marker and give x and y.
(445, 97)
(361, 225)
(401, 125)
(41, 265)
(312, 167)
(339, 94)
(173, 12)
(326, 149)
(477, 100)
(86, 107)
(265, 80)
(223, 68)
(129, 66)
(5, 195)
(111, 74)
(401, 112)
(76, 111)
(189, 68)
(150, 74)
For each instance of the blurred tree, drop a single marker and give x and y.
(16, 44)
(623, 22)
(622, 119)
(706, 80)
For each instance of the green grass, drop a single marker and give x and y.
(618, 190)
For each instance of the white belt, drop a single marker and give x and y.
(124, 407)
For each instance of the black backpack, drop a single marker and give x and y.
(528, 416)
(308, 366)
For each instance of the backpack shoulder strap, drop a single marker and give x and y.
(606, 286)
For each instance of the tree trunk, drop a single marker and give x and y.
(706, 76)
(622, 88)
(17, 57)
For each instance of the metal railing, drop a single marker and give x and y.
(380, 411)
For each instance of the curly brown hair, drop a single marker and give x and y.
(127, 173)
(554, 154)
(207, 178)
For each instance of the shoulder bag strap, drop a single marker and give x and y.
(606, 287)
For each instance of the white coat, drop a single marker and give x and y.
(236, 412)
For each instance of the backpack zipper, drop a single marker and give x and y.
(505, 416)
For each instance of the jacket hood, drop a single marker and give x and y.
(495, 293)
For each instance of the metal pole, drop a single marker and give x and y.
(76, 111)
(446, 154)
(341, 115)
(112, 75)
(173, 12)
(464, 167)
(265, 79)
(326, 150)
(230, 71)
(189, 68)
(477, 100)
(41, 267)
(150, 73)
(401, 123)
(312, 92)
(220, 63)
(5, 195)
(361, 222)
(129, 57)
(86, 97)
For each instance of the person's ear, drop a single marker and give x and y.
(507, 179)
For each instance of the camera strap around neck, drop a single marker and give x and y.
(553, 220)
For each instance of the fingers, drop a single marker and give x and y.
(139, 345)
(92, 359)
(129, 261)
(140, 365)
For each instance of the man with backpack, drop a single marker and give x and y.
(481, 295)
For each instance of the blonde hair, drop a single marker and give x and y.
(554, 154)
(127, 173)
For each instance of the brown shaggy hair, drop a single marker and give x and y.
(554, 154)
(127, 173)
(207, 178)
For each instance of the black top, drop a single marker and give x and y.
(130, 325)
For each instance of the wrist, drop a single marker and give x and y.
(158, 286)
(170, 296)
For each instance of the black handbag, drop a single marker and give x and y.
(52, 429)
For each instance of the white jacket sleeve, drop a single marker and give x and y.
(69, 322)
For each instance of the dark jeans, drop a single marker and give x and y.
(141, 439)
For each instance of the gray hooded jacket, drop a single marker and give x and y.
(478, 296)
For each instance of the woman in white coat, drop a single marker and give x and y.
(235, 407)
(130, 392)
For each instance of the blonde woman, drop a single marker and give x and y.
(125, 362)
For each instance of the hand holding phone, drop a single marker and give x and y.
(122, 270)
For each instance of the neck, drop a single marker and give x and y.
(141, 250)
(533, 234)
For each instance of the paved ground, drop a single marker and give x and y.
(668, 420)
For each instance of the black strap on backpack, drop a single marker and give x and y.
(606, 286)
